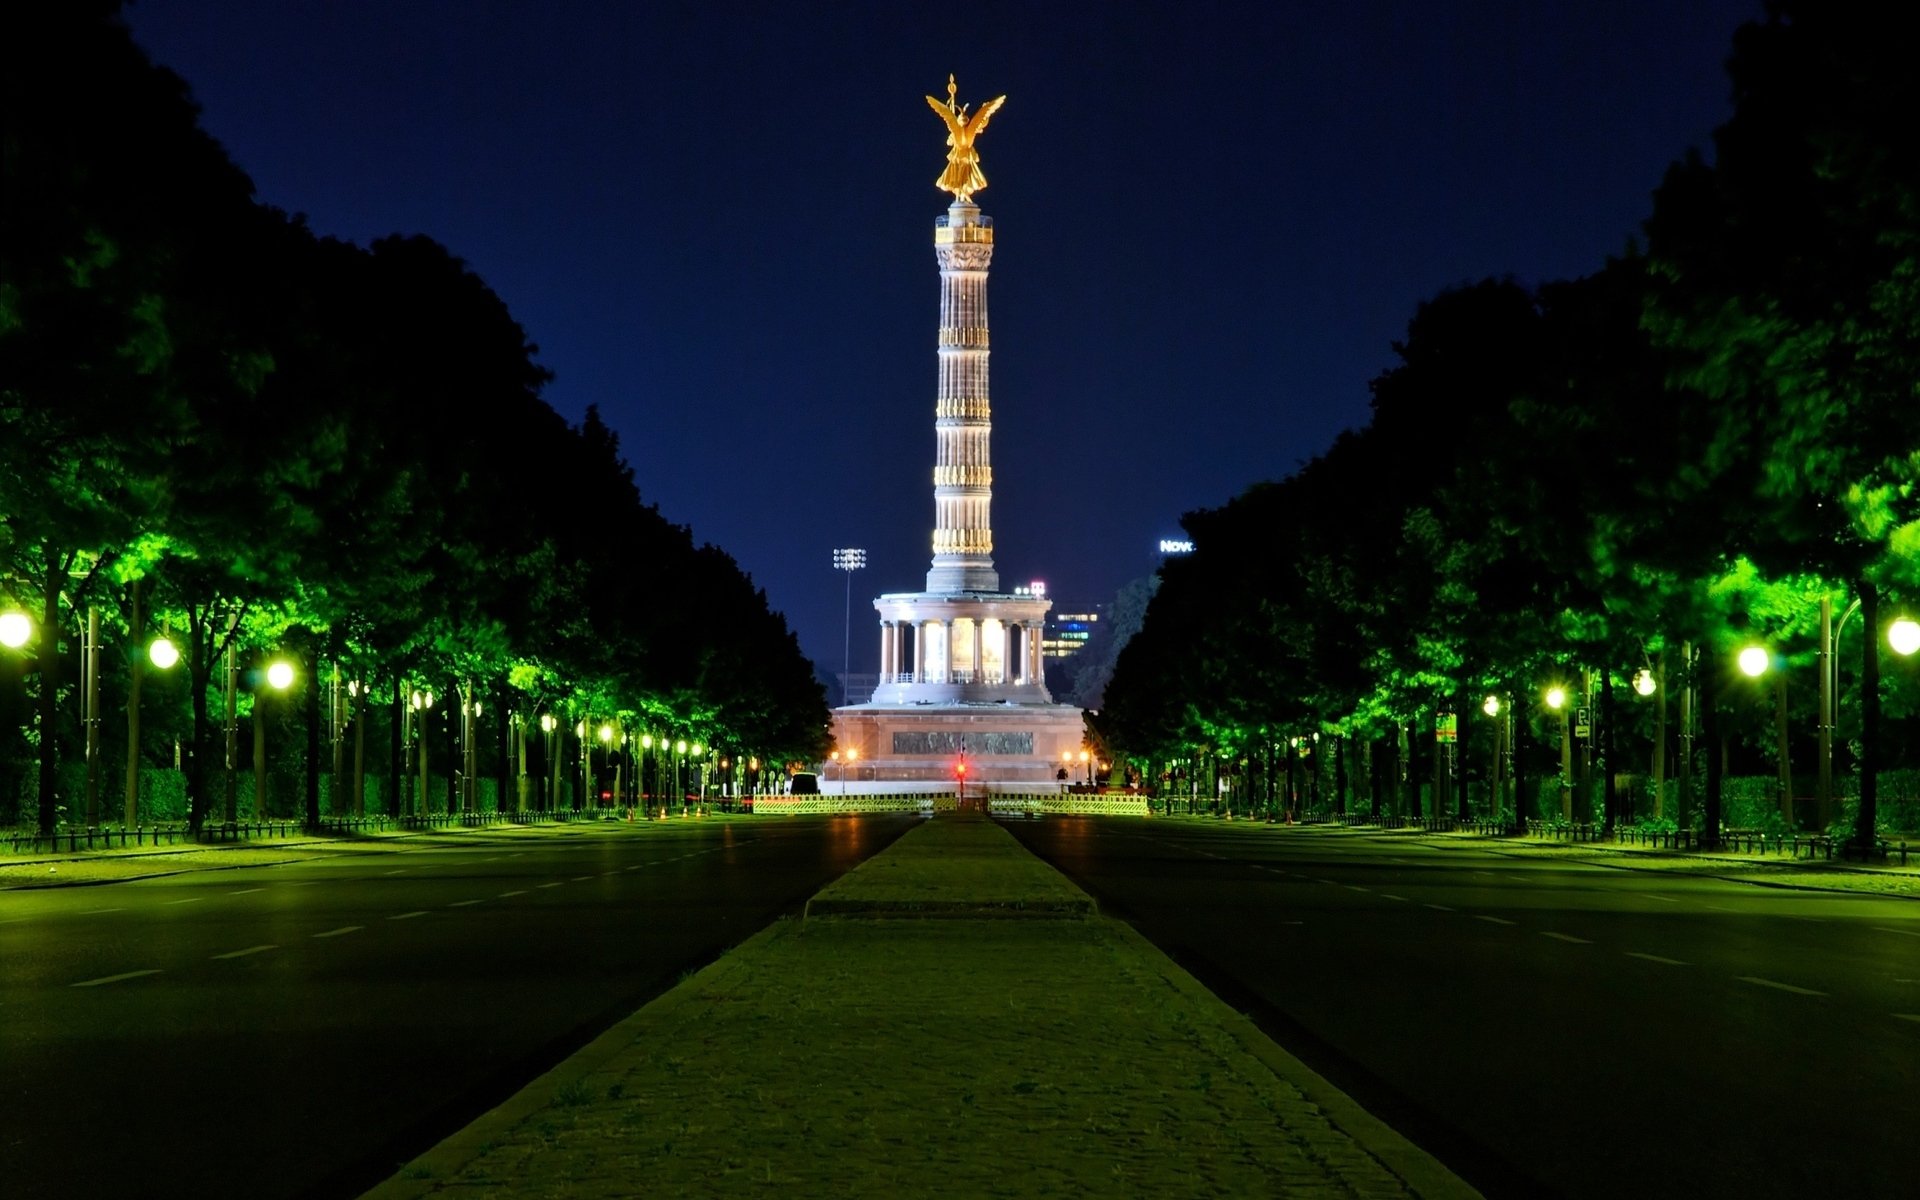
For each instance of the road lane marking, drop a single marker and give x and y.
(1901, 932)
(1659, 958)
(94, 912)
(1717, 908)
(24, 920)
(608, 874)
(243, 953)
(521, 892)
(1908, 1016)
(1391, 896)
(1354, 887)
(246, 891)
(105, 979)
(1662, 899)
(401, 871)
(418, 912)
(1567, 937)
(1494, 920)
(334, 933)
(1328, 882)
(1785, 987)
(1488, 874)
(1439, 908)
(555, 883)
(188, 900)
(581, 878)
(462, 903)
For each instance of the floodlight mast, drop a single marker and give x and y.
(849, 560)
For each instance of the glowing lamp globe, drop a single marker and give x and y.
(1753, 661)
(1556, 697)
(280, 675)
(163, 653)
(1643, 682)
(606, 733)
(1491, 706)
(1904, 636)
(15, 629)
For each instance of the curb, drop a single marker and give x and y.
(992, 910)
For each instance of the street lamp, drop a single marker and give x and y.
(279, 678)
(1557, 701)
(547, 726)
(16, 629)
(679, 754)
(849, 560)
(1753, 661)
(1643, 683)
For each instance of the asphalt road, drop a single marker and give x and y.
(301, 1030)
(1549, 1028)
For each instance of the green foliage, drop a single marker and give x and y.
(310, 448)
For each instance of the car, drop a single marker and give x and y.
(803, 783)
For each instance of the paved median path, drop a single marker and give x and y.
(952, 1018)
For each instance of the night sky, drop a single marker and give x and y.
(1212, 221)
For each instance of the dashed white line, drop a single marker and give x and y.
(1785, 987)
(1908, 1016)
(94, 912)
(462, 903)
(1354, 887)
(401, 871)
(106, 979)
(581, 878)
(1492, 920)
(1487, 874)
(1391, 896)
(344, 929)
(555, 883)
(1439, 908)
(1659, 958)
(243, 953)
(1567, 937)
(1328, 882)
(246, 891)
(1662, 899)
(408, 916)
(1901, 932)
(606, 874)
(521, 892)
(1717, 908)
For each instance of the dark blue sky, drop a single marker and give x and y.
(715, 219)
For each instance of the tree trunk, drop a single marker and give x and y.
(1518, 817)
(1659, 765)
(313, 741)
(1709, 688)
(1340, 775)
(1609, 789)
(233, 732)
(259, 754)
(397, 761)
(358, 699)
(1867, 820)
(50, 696)
(136, 670)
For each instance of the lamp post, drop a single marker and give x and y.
(279, 678)
(547, 726)
(1496, 786)
(679, 792)
(1557, 701)
(849, 560)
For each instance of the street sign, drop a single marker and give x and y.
(1446, 727)
(1583, 722)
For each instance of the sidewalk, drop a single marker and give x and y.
(962, 1024)
(1760, 869)
(75, 868)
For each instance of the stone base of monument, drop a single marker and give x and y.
(1004, 745)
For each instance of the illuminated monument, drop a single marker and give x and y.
(960, 663)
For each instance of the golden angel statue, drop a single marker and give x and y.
(963, 176)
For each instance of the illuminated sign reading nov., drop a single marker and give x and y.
(1173, 546)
